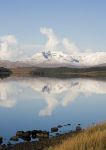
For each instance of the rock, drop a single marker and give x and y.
(69, 124)
(78, 127)
(59, 126)
(1, 139)
(26, 134)
(54, 129)
(27, 138)
(34, 134)
(40, 134)
(9, 144)
(19, 134)
(14, 138)
(43, 134)
(57, 134)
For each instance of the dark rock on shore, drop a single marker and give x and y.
(26, 136)
(43, 134)
(1, 139)
(78, 127)
(54, 129)
(34, 134)
(40, 134)
(19, 134)
(14, 138)
(41, 144)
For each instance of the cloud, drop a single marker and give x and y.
(12, 50)
(62, 93)
(52, 39)
(70, 46)
(7, 44)
(6, 95)
(51, 105)
(9, 39)
(56, 44)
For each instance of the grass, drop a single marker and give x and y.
(93, 138)
(70, 72)
(61, 72)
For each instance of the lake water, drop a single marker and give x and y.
(42, 103)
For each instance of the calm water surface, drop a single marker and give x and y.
(41, 103)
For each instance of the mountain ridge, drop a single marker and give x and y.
(47, 59)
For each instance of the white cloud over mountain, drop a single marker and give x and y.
(53, 41)
(12, 50)
(70, 46)
(7, 46)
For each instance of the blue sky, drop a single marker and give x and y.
(83, 21)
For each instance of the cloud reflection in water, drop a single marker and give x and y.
(55, 92)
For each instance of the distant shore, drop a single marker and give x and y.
(60, 72)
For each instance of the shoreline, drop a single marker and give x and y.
(91, 133)
(60, 72)
(42, 143)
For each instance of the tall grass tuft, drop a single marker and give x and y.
(93, 138)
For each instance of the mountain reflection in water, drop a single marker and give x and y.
(11, 90)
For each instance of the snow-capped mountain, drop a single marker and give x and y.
(52, 59)
(58, 59)
(92, 59)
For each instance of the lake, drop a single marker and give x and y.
(42, 103)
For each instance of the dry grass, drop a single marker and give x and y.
(93, 138)
(21, 71)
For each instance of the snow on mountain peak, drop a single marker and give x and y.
(59, 59)
(53, 57)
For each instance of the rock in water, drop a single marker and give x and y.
(59, 126)
(14, 138)
(43, 134)
(54, 129)
(19, 133)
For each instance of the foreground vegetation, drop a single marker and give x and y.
(93, 138)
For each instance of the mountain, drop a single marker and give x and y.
(61, 92)
(92, 59)
(59, 59)
(10, 64)
(52, 59)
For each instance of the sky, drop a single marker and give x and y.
(80, 22)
